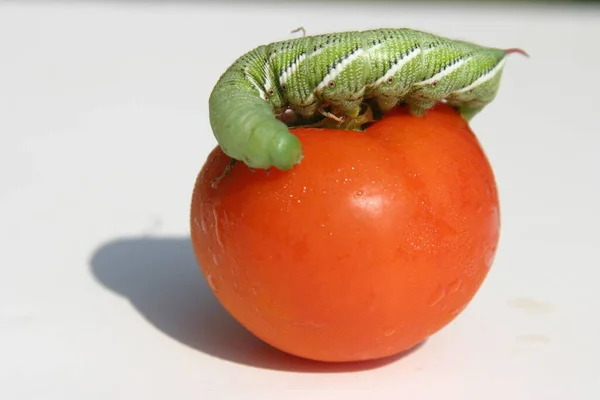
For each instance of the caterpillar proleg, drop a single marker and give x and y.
(333, 75)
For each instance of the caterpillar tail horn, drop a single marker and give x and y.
(515, 50)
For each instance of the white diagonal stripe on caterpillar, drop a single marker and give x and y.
(267, 71)
(291, 69)
(400, 62)
(256, 86)
(358, 52)
(444, 72)
(483, 78)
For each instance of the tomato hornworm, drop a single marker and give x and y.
(333, 75)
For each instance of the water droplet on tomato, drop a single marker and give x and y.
(438, 295)
(217, 232)
(454, 286)
(202, 223)
(211, 282)
(389, 331)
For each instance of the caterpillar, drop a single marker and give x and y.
(333, 76)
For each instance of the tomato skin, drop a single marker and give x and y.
(377, 240)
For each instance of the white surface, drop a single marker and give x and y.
(104, 125)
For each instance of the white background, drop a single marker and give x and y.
(104, 125)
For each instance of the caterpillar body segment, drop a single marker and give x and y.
(333, 75)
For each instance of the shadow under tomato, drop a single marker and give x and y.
(161, 278)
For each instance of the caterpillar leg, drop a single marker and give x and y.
(467, 113)
(385, 104)
(215, 181)
(329, 115)
(420, 108)
(366, 117)
(348, 108)
(348, 123)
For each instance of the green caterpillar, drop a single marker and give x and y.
(341, 71)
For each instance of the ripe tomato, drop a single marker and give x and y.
(375, 242)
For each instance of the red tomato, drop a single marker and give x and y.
(375, 242)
